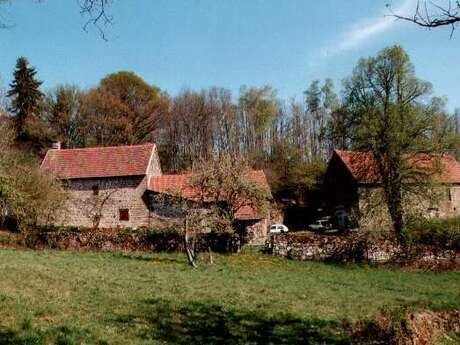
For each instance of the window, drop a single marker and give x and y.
(95, 189)
(449, 194)
(124, 214)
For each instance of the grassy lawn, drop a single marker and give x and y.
(112, 298)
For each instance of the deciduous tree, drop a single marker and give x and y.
(123, 109)
(62, 114)
(27, 196)
(392, 117)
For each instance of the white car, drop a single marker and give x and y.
(278, 229)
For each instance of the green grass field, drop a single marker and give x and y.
(112, 298)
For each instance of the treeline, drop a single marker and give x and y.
(291, 140)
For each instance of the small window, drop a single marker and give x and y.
(95, 189)
(449, 194)
(124, 214)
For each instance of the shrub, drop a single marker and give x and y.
(165, 239)
(171, 239)
(27, 196)
(440, 233)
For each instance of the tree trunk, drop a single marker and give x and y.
(394, 201)
(396, 214)
(188, 251)
(390, 171)
(211, 259)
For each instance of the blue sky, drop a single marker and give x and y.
(229, 43)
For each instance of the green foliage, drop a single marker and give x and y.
(451, 339)
(260, 108)
(389, 116)
(93, 298)
(27, 195)
(288, 169)
(438, 232)
(165, 239)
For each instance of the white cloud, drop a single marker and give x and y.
(366, 30)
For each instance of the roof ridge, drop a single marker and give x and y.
(101, 147)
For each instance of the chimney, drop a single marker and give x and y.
(57, 145)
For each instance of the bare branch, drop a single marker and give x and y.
(96, 11)
(429, 14)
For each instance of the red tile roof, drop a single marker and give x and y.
(363, 166)
(98, 161)
(172, 184)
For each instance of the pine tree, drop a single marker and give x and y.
(26, 96)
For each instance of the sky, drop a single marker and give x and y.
(202, 43)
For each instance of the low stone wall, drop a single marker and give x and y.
(321, 247)
(356, 248)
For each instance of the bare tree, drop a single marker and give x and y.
(430, 14)
(94, 206)
(211, 197)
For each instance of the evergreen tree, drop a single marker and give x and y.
(26, 97)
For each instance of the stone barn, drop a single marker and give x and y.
(112, 187)
(254, 225)
(106, 184)
(352, 182)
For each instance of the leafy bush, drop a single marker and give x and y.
(27, 196)
(441, 233)
(171, 239)
(167, 239)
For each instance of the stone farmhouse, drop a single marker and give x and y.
(113, 187)
(352, 182)
(248, 218)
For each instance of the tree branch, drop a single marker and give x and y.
(429, 14)
(96, 11)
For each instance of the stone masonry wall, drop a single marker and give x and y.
(354, 248)
(115, 193)
(443, 203)
(165, 210)
(256, 232)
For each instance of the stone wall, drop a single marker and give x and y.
(443, 202)
(154, 168)
(86, 209)
(97, 202)
(303, 247)
(256, 231)
(359, 247)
